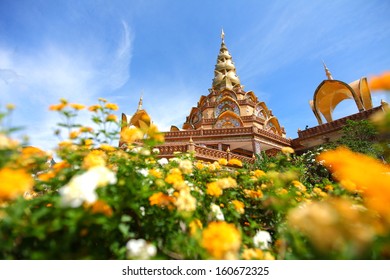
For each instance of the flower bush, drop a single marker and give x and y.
(99, 201)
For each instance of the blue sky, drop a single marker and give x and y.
(167, 49)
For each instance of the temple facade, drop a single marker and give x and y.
(230, 122)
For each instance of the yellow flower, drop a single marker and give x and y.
(94, 158)
(254, 194)
(235, 162)
(10, 106)
(112, 118)
(60, 165)
(112, 106)
(259, 173)
(381, 82)
(214, 189)
(256, 254)
(94, 108)
(46, 176)
(199, 165)
(226, 183)
(102, 99)
(86, 129)
(107, 147)
(174, 177)
(185, 201)
(195, 226)
(239, 206)
(223, 161)
(14, 182)
(74, 134)
(299, 185)
(221, 240)
(333, 225)
(131, 134)
(88, 142)
(287, 150)
(155, 173)
(77, 106)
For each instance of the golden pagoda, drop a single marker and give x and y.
(228, 122)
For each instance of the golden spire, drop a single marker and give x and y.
(327, 72)
(140, 102)
(225, 75)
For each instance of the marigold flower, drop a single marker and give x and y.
(381, 82)
(74, 134)
(235, 162)
(107, 147)
(214, 189)
(155, 173)
(358, 172)
(185, 201)
(112, 106)
(259, 173)
(94, 108)
(60, 165)
(221, 240)
(287, 150)
(14, 182)
(195, 226)
(254, 193)
(57, 107)
(256, 254)
(112, 118)
(161, 199)
(46, 176)
(223, 161)
(94, 158)
(174, 177)
(299, 185)
(239, 206)
(100, 206)
(77, 106)
(86, 129)
(131, 134)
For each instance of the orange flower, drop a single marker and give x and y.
(259, 173)
(94, 158)
(100, 206)
(112, 118)
(161, 199)
(358, 172)
(221, 240)
(195, 225)
(57, 107)
(14, 183)
(381, 82)
(74, 134)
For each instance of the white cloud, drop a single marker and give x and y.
(33, 81)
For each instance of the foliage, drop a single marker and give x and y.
(359, 136)
(103, 202)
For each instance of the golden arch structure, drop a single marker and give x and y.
(331, 92)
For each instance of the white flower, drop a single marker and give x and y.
(262, 239)
(81, 188)
(185, 166)
(142, 209)
(162, 161)
(144, 172)
(156, 151)
(140, 249)
(216, 210)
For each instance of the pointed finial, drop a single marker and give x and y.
(223, 36)
(327, 72)
(140, 102)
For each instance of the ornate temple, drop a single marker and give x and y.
(230, 122)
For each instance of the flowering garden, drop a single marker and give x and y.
(102, 202)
